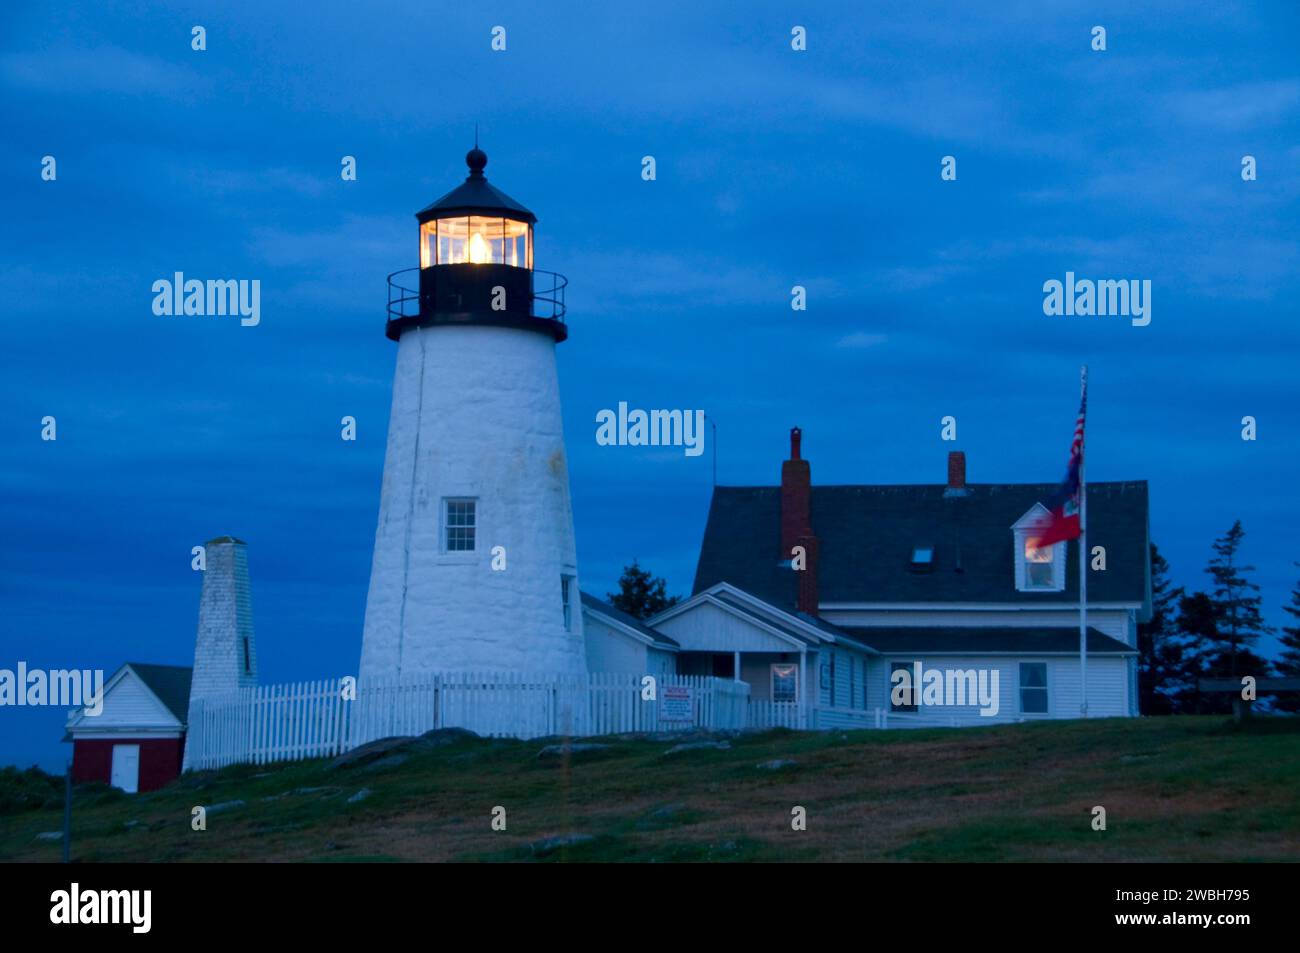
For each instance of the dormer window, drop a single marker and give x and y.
(922, 558)
(1036, 569)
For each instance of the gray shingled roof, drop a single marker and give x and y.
(600, 605)
(868, 532)
(839, 634)
(171, 683)
(981, 641)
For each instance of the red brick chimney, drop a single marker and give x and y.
(796, 497)
(796, 523)
(807, 597)
(956, 470)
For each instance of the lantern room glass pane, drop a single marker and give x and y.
(476, 239)
(428, 243)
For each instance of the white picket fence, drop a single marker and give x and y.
(315, 719)
(269, 723)
(770, 714)
(826, 717)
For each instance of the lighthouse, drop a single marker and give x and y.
(475, 566)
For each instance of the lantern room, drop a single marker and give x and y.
(476, 265)
(476, 240)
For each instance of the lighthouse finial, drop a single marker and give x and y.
(476, 158)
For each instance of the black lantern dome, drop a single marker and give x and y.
(476, 196)
(476, 265)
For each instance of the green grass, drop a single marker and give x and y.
(1174, 789)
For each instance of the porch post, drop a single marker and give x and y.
(803, 687)
(735, 667)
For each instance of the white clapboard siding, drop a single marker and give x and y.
(314, 719)
(1108, 690)
(826, 717)
(925, 718)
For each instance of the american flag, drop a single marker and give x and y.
(1062, 519)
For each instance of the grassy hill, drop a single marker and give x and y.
(1173, 788)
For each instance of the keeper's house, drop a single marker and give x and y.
(137, 741)
(618, 642)
(942, 574)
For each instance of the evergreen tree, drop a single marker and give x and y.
(1225, 622)
(1288, 662)
(1166, 667)
(1198, 625)
(1239, 622)
(640, 593)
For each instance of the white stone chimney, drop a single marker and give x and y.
(225, 651)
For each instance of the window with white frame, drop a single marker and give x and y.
(1033, 688)
(459, 524)
(1037, 569)
(785, 683)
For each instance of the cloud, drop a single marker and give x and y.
(861, 339)
(81, 72)
(1240, 107)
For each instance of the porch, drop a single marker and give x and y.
(779, 697)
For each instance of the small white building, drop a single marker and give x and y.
(619, 642)
(136, 740)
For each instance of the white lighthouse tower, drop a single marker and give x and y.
(475, 567)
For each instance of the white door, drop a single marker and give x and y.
(126, 768)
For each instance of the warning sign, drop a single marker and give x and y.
(676, 703)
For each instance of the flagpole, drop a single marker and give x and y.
(1083, 558)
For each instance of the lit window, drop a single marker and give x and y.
(785, 683)
(1040, 572)
(922, 557)
(458, 525)
(1033, 688)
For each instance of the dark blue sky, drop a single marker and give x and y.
(775, 168)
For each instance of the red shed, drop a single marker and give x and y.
(137, 740)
